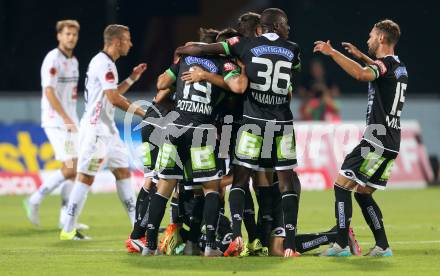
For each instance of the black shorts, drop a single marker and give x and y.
(193, 148)
(265, 145)
(369, 165)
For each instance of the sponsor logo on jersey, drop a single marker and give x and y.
(400, 71)
(233, 40)
(206, 63)
(109, 76)
(53, 71)
(272, 50)
(382, 67)
(229, 66)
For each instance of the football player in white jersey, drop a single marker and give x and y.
(59, 79)
(98, 136)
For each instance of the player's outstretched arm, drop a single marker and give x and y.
(199, 49)
(56, 105)
(116, 99)
(357, 53)
(196, 74)
(135, 75)
(350, 66)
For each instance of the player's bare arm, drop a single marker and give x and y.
(201, 49)
(196, 74)
(165, 81)
(56, 105)
(122, 103)
(134, 77)
(350, 66)
(353, 50)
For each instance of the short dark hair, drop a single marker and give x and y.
(226, 33)
(114, 31)
(390, 29)
(207, 35)
(271, 16)
(247, 23)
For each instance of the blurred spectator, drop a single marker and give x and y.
(319, 95)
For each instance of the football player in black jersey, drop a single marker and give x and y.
(368, 166)
(191, 142)
(266, 141)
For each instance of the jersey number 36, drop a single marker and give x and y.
(272, 75)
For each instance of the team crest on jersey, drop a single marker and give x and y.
(110, 77)
(382, 67)
(53, 71)
(272, 50)
(229, 66)
(233, 40)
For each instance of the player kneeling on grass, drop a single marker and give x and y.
(368, 166)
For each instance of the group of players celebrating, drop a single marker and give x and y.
(222, 117)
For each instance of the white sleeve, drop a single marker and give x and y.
(108, 76)
(49, 72)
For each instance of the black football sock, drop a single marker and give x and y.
(373, 217)
(174, 211)
(195, 220)
(343, 213)
(210, 214)
(265, 214)
(289, 203)
(249, 216)
(156, 211)
(224, 225)
(142, 203)
(307, 242)
(236, 204)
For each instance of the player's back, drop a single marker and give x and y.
(270, 62)
(61, 73)
(196, 103)
(386, 97)
(99, 113)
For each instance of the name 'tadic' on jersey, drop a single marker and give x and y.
(99, 114)
(196, 103)
(386, 97)
(61, 73)
(270, 63)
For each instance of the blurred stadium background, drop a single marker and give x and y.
(158, 27)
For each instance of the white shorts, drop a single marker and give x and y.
(95, 150)
(64, 143)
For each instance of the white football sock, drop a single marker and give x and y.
(47, 187)
(65, 192)
(77, 199)
(127, 196)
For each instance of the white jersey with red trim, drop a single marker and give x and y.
(99, 114)
(61, 73)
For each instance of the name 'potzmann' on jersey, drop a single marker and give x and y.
(270, 62)
(386, 96)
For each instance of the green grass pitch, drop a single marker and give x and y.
(412, 221)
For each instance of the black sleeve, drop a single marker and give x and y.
(235, 46)
(173, 70)
(296, 63)
(381, 67)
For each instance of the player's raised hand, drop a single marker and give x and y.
(137, 71)
(323, 47)
(195, 74)
(352, 50)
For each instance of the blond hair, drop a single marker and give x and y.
(114, 31)
(68, 23)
